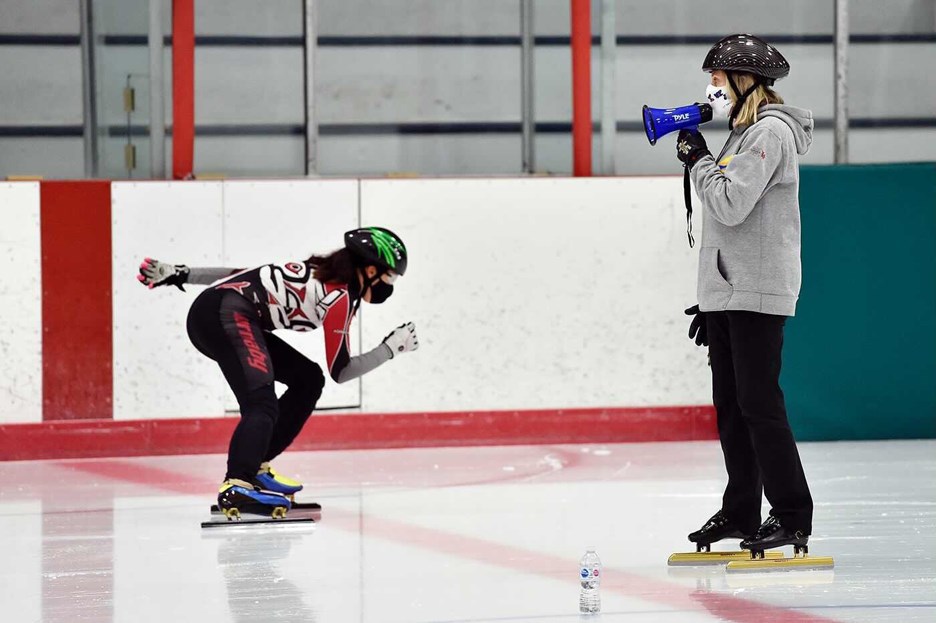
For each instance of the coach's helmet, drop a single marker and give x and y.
(747, 53)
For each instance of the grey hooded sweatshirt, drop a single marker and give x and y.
(750, 254)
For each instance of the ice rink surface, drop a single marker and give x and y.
(459, 535)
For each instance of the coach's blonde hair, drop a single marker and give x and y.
(763, 94)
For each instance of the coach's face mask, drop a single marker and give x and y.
(718, 98)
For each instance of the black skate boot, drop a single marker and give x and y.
(239, 496)
(718, 527)
(772, 534)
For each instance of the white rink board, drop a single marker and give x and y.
(281, 221)
(157, 371)
(527, 293)
(20, 304)
(537, 293)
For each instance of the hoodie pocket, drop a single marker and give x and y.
(714, 291)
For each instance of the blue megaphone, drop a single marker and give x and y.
(659, 122)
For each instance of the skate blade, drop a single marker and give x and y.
(309, 512)
(714, 558)
(220, 521)
(777, 564)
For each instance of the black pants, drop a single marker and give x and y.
(224, 326)
(760, 452)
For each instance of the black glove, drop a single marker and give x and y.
(154, 273)
(690, 146)
(698, 328)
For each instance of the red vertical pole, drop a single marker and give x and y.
(581, 88)
(183, 88)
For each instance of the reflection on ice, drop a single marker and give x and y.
(448, 534)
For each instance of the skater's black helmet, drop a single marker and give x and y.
(749, 54)
(377, 246)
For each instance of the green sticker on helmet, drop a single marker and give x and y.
(387, 246)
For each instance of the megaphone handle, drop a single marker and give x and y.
(694, 129)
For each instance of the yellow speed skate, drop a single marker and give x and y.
(758, 560)
(712, 558)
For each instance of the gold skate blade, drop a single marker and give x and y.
(714, 558)
(777, 564)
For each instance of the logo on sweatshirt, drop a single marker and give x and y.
(758, 151)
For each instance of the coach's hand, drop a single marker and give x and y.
(698, 329)
(690, 146)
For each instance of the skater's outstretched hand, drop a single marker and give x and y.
(154, 273)
(698, 329)
(402, 339)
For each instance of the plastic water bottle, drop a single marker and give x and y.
(590, 578)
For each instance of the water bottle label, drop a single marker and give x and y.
(585, 573)
(596, 572)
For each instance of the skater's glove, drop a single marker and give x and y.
(154, 273)
(402, 339)
(690, 146)
(698, 329)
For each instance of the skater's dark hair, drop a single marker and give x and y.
(336, 267)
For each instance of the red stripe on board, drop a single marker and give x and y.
(183, 88)
(87, 439)
(77, 333)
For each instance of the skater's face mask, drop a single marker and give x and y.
(387, 276)
(378, 285)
